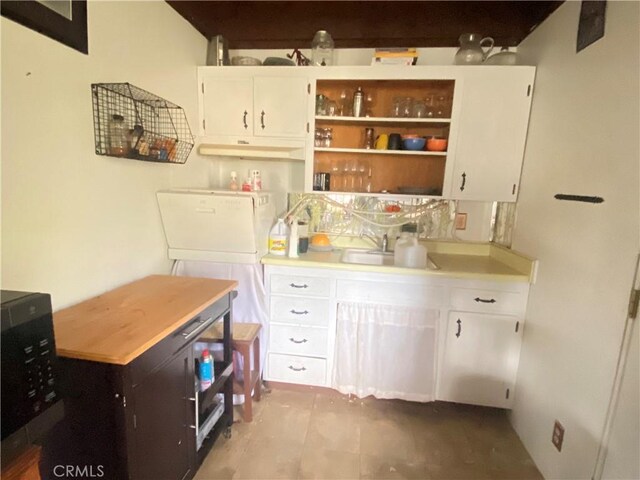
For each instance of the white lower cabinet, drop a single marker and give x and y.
(463, 336)
(480, 361)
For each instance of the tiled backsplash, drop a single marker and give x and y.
(370, 216)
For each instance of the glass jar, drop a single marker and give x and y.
(118, 140)
(322, 49)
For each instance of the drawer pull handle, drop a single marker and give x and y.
(244, 120)
(299, 313)
(293, 285)
(459, 322)
(301, 369)
(484, 300)
(262, 119)
(304, 340)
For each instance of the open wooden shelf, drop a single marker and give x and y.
(382, 120)
(421, 153)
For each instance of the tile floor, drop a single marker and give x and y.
(296, 435)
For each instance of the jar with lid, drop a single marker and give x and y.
(322, 49)
(118, 138)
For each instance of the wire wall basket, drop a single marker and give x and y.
(132, 123)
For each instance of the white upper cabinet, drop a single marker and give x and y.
(245, 102)
(491, 133)
(227, 105)
(280, 105)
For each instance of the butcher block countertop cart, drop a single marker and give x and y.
(134, 403)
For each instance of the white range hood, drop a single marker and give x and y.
(264, 148)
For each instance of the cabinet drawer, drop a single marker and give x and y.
(300, 285)
(299, 340)
(489, 301)
(300, 310)
(296, 369)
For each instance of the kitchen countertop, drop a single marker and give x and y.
(481, 261)
(119, 325)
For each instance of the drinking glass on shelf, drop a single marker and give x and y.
(328, 137)
(353, 167)
(407, 106)
(419, 109)
(336, 176)
(369, 101)
(363, 168)
(343, 107)
(428, 102)
(332, 108)
(440, 106)
(396, 107)
(346, 176)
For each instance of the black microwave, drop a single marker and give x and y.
(28, 363)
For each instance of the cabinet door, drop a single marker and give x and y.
(165, 443)
(280, 106)
(494, 116)
(480, 359)
(228, 106)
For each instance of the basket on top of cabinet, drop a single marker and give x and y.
(132, 123)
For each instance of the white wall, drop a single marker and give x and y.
(583, 139)
(75, 224)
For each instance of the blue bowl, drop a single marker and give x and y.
(414, 143)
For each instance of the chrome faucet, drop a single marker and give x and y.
(384, 246)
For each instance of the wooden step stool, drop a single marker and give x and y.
(244, 336)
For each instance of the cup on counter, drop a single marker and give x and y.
(395, 142)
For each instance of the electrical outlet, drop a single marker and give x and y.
(461, 221)
(558, 435)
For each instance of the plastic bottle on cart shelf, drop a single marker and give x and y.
(206, 370)
(278, 238)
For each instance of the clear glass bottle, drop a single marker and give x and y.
(322, 49)
(118, 138)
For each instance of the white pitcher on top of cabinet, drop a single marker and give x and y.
(471, 51)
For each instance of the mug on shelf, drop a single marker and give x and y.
(382, 142)
(395, 141)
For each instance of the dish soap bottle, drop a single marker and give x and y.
(278, 238)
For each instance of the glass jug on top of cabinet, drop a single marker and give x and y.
(402, 116)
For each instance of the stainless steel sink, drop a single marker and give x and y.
(374, 257)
